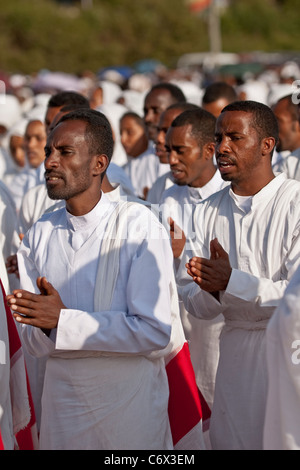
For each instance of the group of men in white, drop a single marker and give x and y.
(221, 177)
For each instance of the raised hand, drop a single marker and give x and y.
(39, 310)
(213, 274)
(178, 238)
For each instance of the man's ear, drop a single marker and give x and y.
(209, 150)
(101, 164)
(268, 144)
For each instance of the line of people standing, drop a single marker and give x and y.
(232, 242)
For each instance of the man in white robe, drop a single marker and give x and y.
(9, 238)
(36, 201)
(166, 180)
(34, 143)
(282, 420)
(145, 171)
(105, 383)
(288, 117)
(245, 249)
(190, 145)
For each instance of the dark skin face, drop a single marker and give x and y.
(72, 171)
(190, 164)
(50, 114)
(133, 136)
(215, 107)
(34, 143)
(165, 121)
(243, 158)
(16, 146)
(289, 127)
(96, 98)
(156, 102)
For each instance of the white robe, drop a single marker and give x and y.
(23, 181)
(290, 165)
(9, 236)
(264, 249)
(118, 398)
(282, 421)
(144, 170)
(161, 184)
(179, 203)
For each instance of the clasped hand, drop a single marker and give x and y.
(213, 274)
(39, 310)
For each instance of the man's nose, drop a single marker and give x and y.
(222, 146)
(51, 160)
(31, 141)
(173, 158)
(160, 137)
(149, 115)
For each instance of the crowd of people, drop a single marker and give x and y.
(150, 260)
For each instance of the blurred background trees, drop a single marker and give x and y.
(73, 36)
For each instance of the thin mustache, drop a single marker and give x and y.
(51, 173)
(225, 157)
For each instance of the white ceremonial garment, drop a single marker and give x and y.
(101, 389)
(282, 420)
(277, 159)
(163, 183)
(35, 203)
(263, 246)
(144, 170)
(290, 165)
(117, 175)
(179, 202)
(114, 111)
(29, 178)
(9, 236)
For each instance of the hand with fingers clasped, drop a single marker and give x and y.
(39, 310)
(213, 274)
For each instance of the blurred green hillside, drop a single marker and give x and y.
(61, 35)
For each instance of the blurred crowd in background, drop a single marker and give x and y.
(25, 97)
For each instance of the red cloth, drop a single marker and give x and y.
(25, 437)
(196, 6)
(186, 404)
(1, 443)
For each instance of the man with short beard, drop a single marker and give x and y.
(288, 117)
(85, 305)
(245, 249)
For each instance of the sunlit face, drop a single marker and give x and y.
(289, 132)
(68, 162)
(156, 102)
(164, 123)
(185, 156)
(133, 136)
(238, 146)
(34, 142)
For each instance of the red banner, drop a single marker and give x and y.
(196, 6)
